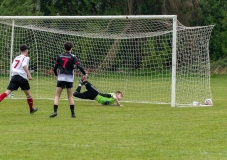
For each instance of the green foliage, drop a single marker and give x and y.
(219, 66)
(19, 8)
(149, 7)
(87, 50)
(117, 7)
(82, 7)
(215, 12)
(191, 12)
(156, 55)
(100, 7)
(5, 33)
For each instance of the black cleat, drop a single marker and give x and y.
(73, 115)
(34, 110)
(54, 114)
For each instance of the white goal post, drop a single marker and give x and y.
(151, 59)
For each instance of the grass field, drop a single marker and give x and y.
(134, 131)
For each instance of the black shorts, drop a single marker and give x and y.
(18, 81)
(64, 84)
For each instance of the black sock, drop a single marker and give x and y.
(72, 109)
(55, 108)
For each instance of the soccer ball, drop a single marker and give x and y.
(208, 102)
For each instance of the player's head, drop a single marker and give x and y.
(68, 46)
(119, 95)
(24, 48)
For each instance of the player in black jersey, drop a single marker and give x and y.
(66, 63)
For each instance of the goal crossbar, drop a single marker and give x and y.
(92, 17)
(154, 58)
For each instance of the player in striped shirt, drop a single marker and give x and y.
(20, 76)
(93, 94)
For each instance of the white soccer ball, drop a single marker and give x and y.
(208, 102)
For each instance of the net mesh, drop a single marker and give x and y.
(130, 55)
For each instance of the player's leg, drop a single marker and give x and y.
(59, 88)
(30, 101)
(78, 89)
(78, 95)
(69, 86)
(24, 85)
(56, 101)
(5, 94)
(91, 88)
(13, 85)
(91, 92)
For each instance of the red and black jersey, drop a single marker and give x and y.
(66, 62)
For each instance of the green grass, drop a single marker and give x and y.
(156, 88)
(134, 131)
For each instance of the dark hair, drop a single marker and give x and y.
(23, 47)
(68, 45)
(119, 92)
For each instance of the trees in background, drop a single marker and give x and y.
(19, 8)
(189, 12)
(215, 12)
(83, 7)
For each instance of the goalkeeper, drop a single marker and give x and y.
(93, 94)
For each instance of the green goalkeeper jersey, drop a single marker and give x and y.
(105, 100)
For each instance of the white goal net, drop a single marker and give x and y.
(151, 59)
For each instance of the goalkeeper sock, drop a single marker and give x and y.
(2, 96)
(30, 102)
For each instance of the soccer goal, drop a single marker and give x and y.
(151, 59)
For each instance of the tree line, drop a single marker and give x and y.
(189, 12)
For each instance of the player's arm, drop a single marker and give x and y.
(78, 66)
(56, 66)
(55, 69)
(116, 100)
(28, 73)
(25, 67)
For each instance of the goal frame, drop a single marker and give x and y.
(174, 37)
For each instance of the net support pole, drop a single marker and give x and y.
(11, 50)
(174, 57)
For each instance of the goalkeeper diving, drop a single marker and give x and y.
(93, 94)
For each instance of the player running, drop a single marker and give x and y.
(20, 76)
(93, 94)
